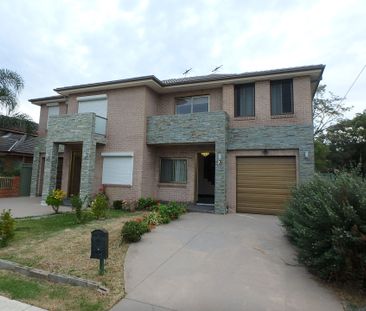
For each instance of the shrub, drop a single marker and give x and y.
(7, 227)
(326, 220)
(153, 218)
(77, 204)
(146, 203)
(99, 206)
(133, 230)
(55, 198)
(176, 209)
(164, 213)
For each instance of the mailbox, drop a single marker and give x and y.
(99, 244)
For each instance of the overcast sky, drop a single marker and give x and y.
(58, 43)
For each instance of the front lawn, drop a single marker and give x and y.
(58, 244)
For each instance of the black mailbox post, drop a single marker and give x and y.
(99, 247)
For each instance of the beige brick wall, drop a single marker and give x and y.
(43, 118)
(302, 105)
(167, 101)
(231, 166)
(179, 192)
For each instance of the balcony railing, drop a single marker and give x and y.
(100, 125)
(187, 128)
(76, 127)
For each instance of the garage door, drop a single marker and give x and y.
(263, 184)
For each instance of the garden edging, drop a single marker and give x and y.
(49, 276)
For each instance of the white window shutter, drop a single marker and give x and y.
(117, 170)
(98, 106)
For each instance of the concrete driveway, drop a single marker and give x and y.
(214, 262)
(27, 207)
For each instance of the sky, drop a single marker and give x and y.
(58, 43)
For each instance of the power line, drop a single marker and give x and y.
(353, 83)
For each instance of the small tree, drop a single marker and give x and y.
(99, 206)
(327, 109)
(77, 204)
(55, 198)
(7, 227)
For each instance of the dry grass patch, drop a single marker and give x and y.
(67, 251)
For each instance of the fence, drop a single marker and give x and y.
(9, 186)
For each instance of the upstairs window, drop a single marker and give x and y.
(281, 97)
(53, 110)
(244, 100)
(191, 104)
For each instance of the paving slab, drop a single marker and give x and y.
(28, 207)
(7, 304)
(220, 262)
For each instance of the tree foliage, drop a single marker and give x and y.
(11, 85)
(20, 122)
(327, 109)
(347, 143)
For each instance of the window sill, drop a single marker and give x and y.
(172, 185)
(244, 118)
(282, 116)
(117, 186)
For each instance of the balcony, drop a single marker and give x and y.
(200, 127)
(77, 128)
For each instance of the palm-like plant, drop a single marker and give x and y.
(11, 84)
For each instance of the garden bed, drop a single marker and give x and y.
(58, 244)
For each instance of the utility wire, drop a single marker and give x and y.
(353, 83)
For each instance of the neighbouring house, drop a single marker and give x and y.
(236, 141)
(16, 157)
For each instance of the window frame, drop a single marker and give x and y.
(191, 103)
(173, 182)
(236, 87)
(275, 82)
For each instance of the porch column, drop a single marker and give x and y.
(220, 177)
(50, 168)
(35, 171)
(87, 168)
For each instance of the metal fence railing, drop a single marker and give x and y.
(6, 182)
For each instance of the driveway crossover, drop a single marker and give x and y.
(215, 262)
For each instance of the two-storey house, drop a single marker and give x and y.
(236, 141)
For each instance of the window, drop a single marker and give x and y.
(173, 171)
(117, 168)
(244, 100)
(53, 111)
(281, 97)
(192, 104)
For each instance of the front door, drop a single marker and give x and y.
(206, 178)
(75, 172)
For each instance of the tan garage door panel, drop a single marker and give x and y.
(263, 184)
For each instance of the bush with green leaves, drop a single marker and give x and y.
(164, 212)
(176, 209)
(146, 203)
(99, 206)
(326, 220)
(7, 227)
(133, 230)
(153, 218)
(77, 204)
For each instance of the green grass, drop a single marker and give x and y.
(48, 295)
(39, 227)
(19, 288)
